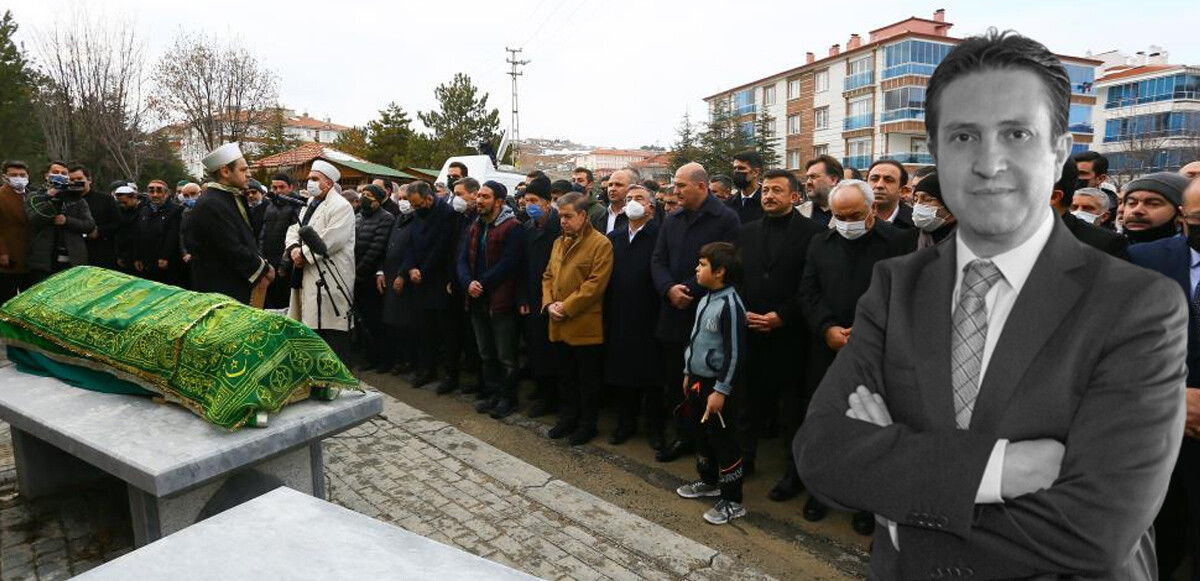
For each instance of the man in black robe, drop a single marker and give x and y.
(225, 255)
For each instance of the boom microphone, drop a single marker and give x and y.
(313, 240)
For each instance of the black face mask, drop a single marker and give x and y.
(1080, 184)
(1156, 233)
(741, 180)
(1194, 237)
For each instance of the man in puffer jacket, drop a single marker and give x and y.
(370, 245)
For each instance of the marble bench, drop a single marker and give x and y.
(285, 534)
(177, 468)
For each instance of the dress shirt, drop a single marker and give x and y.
(612, 220)
(1195, 271)
(895, 213)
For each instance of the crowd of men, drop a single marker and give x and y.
(615, 294)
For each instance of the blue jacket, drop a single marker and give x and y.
(1172, 257)
(718, 339)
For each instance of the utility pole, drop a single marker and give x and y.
(515, 124)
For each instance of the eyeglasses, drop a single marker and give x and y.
(156, 190)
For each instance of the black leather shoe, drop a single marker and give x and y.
(582, 436)
(814, 510)
(655, 438)
(485, 406)
(424, 378)
(621, 435)
(447, 385)
(561, 431)
(863, 523)
(674, 451)
(503, 409)
(787, 488)
(539, 409)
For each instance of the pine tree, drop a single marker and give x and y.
(722, 139)
(276, 139)
(390, 138)
(353, 141)
(685, 149)
(765, 140)
(22, 137)
(461, 122)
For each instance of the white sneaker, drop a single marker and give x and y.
(724, 511)
(698, 489)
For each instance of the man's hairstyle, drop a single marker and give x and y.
(79, 167)
(863, 188)
(1099, 162)
(793, 183)
(1066, 184)
(14, 163)
(282, 177)
(749, 157)
(583, 170)
(575, 200)
(537, 173)
(635, 175)
(723, 180)
(55, 162)
(893, 163)
(854, 173)
(421, 188)
(1000, 51)
(459, 165)
(723, 256)
(833, 167)
(698, 175)
(560, 187)
(923, 171)
(1096, 193)
(651, 185)
(471, 184)
(160, 182)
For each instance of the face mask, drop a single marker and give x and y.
(405, 207)
(925, 217)
(1080, 184)
(189, 202)
(850, 230)
(254, 203)
(741, 180)
(459, 205)
(534, 211)
(18, 184)
(1165, 230)
(313, 189)
(1087, 217)
(635, 210)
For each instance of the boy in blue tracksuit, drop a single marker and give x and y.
(711, 363)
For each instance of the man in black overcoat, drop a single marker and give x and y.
(425, 272)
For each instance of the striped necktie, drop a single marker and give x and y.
(970, 336)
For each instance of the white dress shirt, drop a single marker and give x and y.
(612, 219)
(1015, 266)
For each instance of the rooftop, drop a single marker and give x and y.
(1123, 72)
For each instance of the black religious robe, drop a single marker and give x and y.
(225, 255)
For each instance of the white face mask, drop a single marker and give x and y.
(405, 207)
(925, 217)
(850, 230)
(635, 210)
(313, 189)
(18, 184)
(458, 204)
(1087, 217)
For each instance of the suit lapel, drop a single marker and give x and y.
(930, 327)
(1044, 302)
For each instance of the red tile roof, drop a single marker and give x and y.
(307, 122)
(1125, 72)
(301, 155)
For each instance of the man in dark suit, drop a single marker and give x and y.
(614, 217)
(773, 250)
(157, 257)
(425, 272)
(225, 254)
(1103, 240)
(746, 200)
(701, 219)
(993, 422)
(888, 179)
(1176, 532)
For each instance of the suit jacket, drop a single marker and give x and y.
(1172, 258)
(1112, 392)
(838, 271)
(600, 222)
(771, 279)
(432, 242)
(1103, 240)
(748, 211)
(632, 356)
(903, 218)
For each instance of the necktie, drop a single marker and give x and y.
(970, 336)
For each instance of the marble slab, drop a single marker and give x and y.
(286, 534)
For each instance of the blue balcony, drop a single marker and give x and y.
(857, 80)
(859, 162)
(902, 114)
(912, 158)
(909, 69)
(858, 122)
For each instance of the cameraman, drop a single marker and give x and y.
(59, 220)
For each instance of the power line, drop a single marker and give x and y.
(515, 124)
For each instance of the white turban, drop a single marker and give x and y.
(327, 168)
(222, 156)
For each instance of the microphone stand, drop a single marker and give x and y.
(322, 284)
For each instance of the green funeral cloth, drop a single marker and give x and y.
(34, 363)
(221, 359)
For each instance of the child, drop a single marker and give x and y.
(710, 365)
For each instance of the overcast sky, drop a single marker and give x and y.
(603, 72)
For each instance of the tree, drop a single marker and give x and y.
(390, 137)
(722, 138)
(220, 91)
(461, 122)
(685, 149)
(353, 141)
(764, 139)
(275, 138)
(23, 137)
(160, 159)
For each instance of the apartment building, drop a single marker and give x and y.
(867, 102)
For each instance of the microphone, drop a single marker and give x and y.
(313, 240)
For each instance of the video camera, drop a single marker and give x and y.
(59, 187)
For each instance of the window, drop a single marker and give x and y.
(793, 158)
(819, 150)
(821, 81)
(860, 73)
(793, 89)
(821, 118)
(1080, 119)
(1180, 86)
(858, 153)
(1083, 79)
(748, 130)
(743, 102)
(903, 103)
(913, 57)
(769, 95)
(793, 122)
(859, 113)
(1152, 126)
